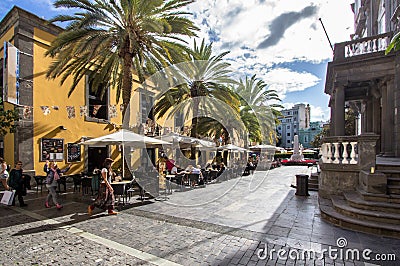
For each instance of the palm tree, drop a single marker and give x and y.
(394, 44)
(259, 119)
(201, 85)
(109, 40)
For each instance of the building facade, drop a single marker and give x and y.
(364, 167)
(292, 120)
(52, 124)
(307, 135)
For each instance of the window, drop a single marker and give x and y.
(97, 100)
(294, 126)
(179, 120)
(288, 127)
(288, 134)
(146, 106)
(288, 141)
(279, 128)
(381, 18)
(306, 139)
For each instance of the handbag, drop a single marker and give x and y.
(8, 197)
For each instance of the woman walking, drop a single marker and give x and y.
(105, 198)
(3, 173)
(53, 175)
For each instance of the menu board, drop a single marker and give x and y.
(52, 150)
(73, 152)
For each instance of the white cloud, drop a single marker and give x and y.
(285, 80)
(240, 26)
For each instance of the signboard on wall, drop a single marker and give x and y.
(52, 149)
(73, 152)
(11, 74)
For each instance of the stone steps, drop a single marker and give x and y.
(313, 182)
(393, 190)
(341, 205)
(330, 213)
(379, 197)
(392, 173)
(393, 181)
(355, 200)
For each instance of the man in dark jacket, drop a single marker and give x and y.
(16, 182)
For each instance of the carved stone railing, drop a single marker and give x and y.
(350, 150)
(340, 150)
(362, 46)
(345, 162)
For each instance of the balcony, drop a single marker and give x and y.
(364, 46)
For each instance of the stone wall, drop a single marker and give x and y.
(334, 180)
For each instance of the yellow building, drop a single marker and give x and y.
(52, 124)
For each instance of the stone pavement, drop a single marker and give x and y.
(253, 220)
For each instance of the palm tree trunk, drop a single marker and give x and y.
(126, 97)
(126, 84)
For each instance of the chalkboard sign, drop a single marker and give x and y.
(52, 150)
(73, 152)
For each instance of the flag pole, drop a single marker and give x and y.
(330, 44)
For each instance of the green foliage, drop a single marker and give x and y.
(259, 119)
(109, 40)
(394, 44)
(350, 128)
(201, 85)
(7, 120)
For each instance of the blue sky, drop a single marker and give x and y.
(281, 42)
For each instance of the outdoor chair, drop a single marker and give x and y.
(119, 190)
(86, 185)
(62, 181)
(77, 179)
(193, 179)
(40, 181)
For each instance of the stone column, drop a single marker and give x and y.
(339, 111)
(366, 150)
(376, 125)
(388, 118)
(369, 115)
(332, 123)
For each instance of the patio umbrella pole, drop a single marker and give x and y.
(123, 161)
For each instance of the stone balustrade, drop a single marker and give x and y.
(340, 150)
(343, 159)
(362, 46)
(350, 150)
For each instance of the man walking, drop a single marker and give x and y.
(16, 182)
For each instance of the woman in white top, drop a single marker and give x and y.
(3, 173)
(105, 199)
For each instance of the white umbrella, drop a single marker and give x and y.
(231, 147)
(262, 147)
(309, 151)
(125, 137)
(190, 141)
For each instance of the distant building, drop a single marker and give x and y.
(307, 135)
(292, 120)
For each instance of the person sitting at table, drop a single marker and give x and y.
(221, 169)
(105, 198)
(174, 169)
